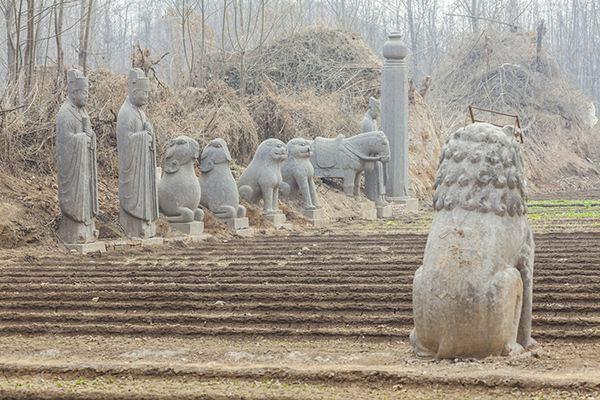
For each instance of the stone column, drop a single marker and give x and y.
(394, 116)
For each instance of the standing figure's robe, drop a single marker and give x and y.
(77, 179)
(137, 171)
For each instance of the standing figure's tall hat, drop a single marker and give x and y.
(76, 80)
(137, 80)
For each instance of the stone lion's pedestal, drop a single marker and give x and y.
(316, 217)
(86, 248)
(236, 224)
(385, 211)
(193, 228)
(277, 219)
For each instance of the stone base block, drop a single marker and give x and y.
(237, 223)
(277, 219)
(247, 232)
(86, 248)
(193, 228)
(369, 214)
(410, 204)
(384, 211)
(155, 241)
(316, 217)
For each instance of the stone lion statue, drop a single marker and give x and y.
(298, 172)
(262, 178)
(179, 189)
(219, 190)
(472, 295)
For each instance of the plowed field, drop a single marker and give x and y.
(322, 316)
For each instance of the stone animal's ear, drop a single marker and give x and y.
(227, 153)
(171, 166)
(206, 165)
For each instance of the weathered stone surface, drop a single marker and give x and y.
(277, 219)
(347, 158)
(179, 189)
(394, 115)
(384, 211)
(193, 228)
(472, 295)
(374, 179)
(262, 178)
(316, 217)
(76, 164)
(237, 223)
(298, 173)
(86, 248)
(219, 190)
(136, 146)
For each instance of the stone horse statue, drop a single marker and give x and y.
(347, 158)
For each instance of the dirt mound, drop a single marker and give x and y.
(502, 71)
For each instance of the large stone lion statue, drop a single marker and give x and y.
(472, 295)
(298, 173)
(262, 178)
(219, 190)
(179, 189)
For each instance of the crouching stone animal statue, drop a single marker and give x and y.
(347, 158)
(219, 190)
(179, 189)
(262, 178)
(472, 295)
(298, 173)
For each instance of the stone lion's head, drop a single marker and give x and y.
(271, 150)
(299, 148)
(481, 169)
(180, 151)
(215, 152)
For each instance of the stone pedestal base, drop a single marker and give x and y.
(155, 241)
(410, 204)
(384, 211)
(193, 228)
(237, 223)
(136, 228)
(316, 217)
(277, 219)
(369, 214)
(73, 232)
(86, 248)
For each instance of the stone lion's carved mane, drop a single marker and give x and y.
(481, 170)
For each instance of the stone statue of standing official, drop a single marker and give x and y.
(136, 146)
(374, 179)
(76, 163)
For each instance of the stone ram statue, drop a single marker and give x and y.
(298, 173)
(347, 158)
(219, 190)
(262, 178)
(179, 189)
(472, 295)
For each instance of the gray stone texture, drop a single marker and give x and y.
(472, 295)
(193, 228)
(394, 115)
(136, 146)
(298, 173)
(179, 189)
(347, 158)
(374, 179)
(219, 191)
(76, 164)
(262, 178)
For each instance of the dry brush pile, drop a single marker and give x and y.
(502, 71)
